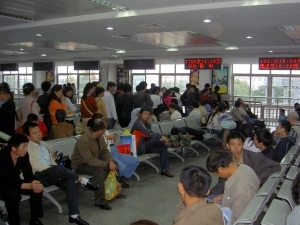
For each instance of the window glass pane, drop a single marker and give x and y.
(62, 69)
(181, 81)
(167, 68)
(137, 71)
(29, 70)
(71, 69)
(241, 68)
(22, 70)
(295, 89)
(94, 71)
(94, 77)
(6, 72)
(62, 79)
(280, 72)
(14, 72)
(23, 79)
(154, 71)
(12, 80)
(167, 81)
(136, 79)
(83, 71)
(241, 86)
(255, 70)
(295, 71)
(180, 69)
(280, 89)
(83, 80)
(259, 87)
(152, 79)
(72, 79)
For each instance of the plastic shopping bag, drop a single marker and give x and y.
(112, 186)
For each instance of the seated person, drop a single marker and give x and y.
(293, 118)
(285, 142)
(195, 108)
(213, 124)
(241, 183)
(236, 116)
(62, 129)
(177, 106)
(42, 160)
(127, 164)
(263, 141)
(174, 113)
(294, 217)
(148, 141)
(14, 160)
(282, 115)
(194, 209)
(33, 118)
(262, 166)
(92, 157)
(246, 130)
(247, 109)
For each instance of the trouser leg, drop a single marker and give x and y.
(158, 146)
(110, 123)
(98, 178)
(12, 200)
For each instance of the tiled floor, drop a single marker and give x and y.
(154, 197)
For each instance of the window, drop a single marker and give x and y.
(280, 90)
(241, 68)
(16, 79)
(167, 68)
(181, 81)
(136, 79)
(259, 88)
(152, 79)
(241, 85)
(167, 81)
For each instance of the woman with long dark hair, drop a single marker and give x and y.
(71, 109)
(56, 102)
(88, 104)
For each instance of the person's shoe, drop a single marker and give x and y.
(166, 173)
(104, 206)
(92, 186)
(78, 220)
(35, 221)
(124, 185)
(120, 196)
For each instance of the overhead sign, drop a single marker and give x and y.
(279, 63)
(203, 64)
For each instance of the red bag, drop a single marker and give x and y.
(124, 149)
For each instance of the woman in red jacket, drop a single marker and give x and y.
(88, 104)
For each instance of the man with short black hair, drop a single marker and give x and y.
(62, 129)
(293, 118)
(285, 142)
(174, 113)
(141, 98)
(14, 160)
(108, 97)
(263, 141)
(241, 183)
(193, 187)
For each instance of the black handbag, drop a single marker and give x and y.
(64, 160)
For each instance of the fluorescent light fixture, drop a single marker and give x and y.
(270, 51)
(109, 5)
(207, 21)
(172, 49)
(21, 49)
(43, 55)
(110, 28)
(120, 51)
(249, 37)
(231, 48)
(39, 35)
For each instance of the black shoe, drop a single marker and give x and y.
(35, 221)
(120, 196)
(78, 220)
(92, 186)
(104, 206)
(124, 185)
(166, 173)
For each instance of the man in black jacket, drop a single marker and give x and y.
(14, 160)
(262, 166)
(7, 111)
(43, 102)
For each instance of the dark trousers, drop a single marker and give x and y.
(197, 133)
(12, 198)
(124, 122)
(99, 175)
(110, 123)
(64, 179)
(157, 146)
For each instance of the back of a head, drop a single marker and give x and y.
(226, 103)
(153, 90)
(32, 117)
(195, 104)
(235, 135)
(175, 101)
(86, 89)
(217, 159)
(143, 222)
(138, 88)
(99, 90)
(143, 85)
(221, 107)
(195, 181)
(95, 83)
(207, 85)
(120, 86)
(46, 85)
(237, 104)
(127, 88)
(4, 89)
(264, 136)
(96, 123)
(28, 88)
(172, 106)
(110, 84)
(246, 130)
(293, 115)
(60, 115)
(217, 88)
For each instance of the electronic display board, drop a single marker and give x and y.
(203, 64)
(279, 63)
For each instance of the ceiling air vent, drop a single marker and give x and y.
(151, 25)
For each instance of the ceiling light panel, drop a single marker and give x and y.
(108, 4)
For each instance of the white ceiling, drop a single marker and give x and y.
(76, 29)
